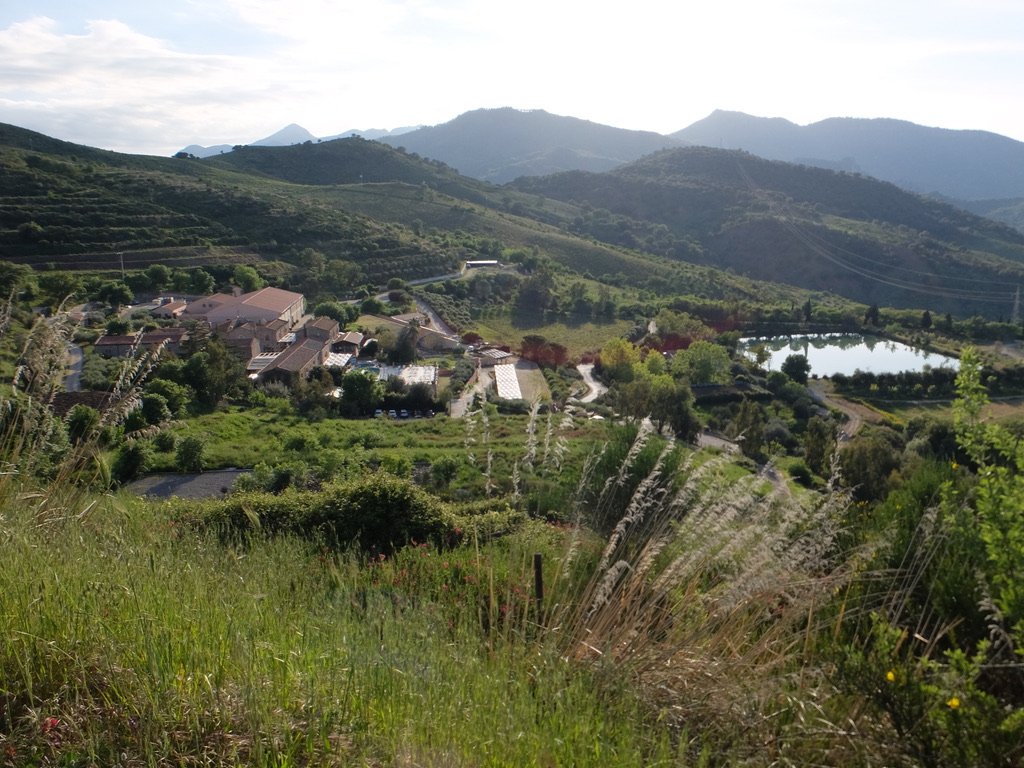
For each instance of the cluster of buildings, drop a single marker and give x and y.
(268, 329)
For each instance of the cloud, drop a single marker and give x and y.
(229, 71)
(116, 88)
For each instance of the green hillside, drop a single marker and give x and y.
(701, 222)
(817, 229)
(388, 213)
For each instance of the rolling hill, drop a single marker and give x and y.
(817, 229)
(385, 211)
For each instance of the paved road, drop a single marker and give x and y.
(73, 377)
(595, 388)
(435, 319)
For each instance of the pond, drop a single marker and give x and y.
(832, 353)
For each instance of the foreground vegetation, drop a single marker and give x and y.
(684, 620)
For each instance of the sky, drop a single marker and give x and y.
(154, 77)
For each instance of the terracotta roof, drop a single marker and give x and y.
(165, 333)
(297, 356)
(274, 299)
(114, 341)
(323, 323)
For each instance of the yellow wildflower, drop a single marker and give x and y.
(954, 465)
(953, 703)
(890, 676)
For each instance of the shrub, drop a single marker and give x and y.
(189, 454)
(799, 472)
(165, 441)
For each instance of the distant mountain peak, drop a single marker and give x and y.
(503, 143)
(290, 134)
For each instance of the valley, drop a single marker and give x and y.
(483, 459)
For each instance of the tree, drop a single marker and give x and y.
(404, 349)
(671, 403)
(871, 315)
(926, 319)
(796, 367)
(155, 409)
(618, 357)
(115, 293)
(117, 326)
(443, 471)
(176, 396)
(341, 276)
(748, 427)
(247, 278)
(372, 306)
(60, 285)
(867, 461)
(703, 363)
(996, 529)
(547, 354)
(200, 281)
(159, 276)
(211, 372)
(807, 311)
(361, 393)
(189, 454)
(633, 398)
(819, 445)
(343, 313)
(82, 422)
(30, 231)
(15, 278)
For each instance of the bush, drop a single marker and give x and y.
(165, 441)
(799, 472)
(189, 454)
(132, 460)
(379, 513)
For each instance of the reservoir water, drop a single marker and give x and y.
(832, 353)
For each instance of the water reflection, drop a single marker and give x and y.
(832, 353)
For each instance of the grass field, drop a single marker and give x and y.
(579, 339)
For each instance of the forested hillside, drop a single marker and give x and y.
(818, 229)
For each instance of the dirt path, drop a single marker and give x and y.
(463, 403)
(857, 415)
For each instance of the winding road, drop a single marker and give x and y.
(595, 388)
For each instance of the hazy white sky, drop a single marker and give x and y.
(152, 77)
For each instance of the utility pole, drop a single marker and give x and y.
(1015, 314)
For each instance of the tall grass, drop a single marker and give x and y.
(129, 641)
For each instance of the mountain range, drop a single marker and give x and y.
(981, 168)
